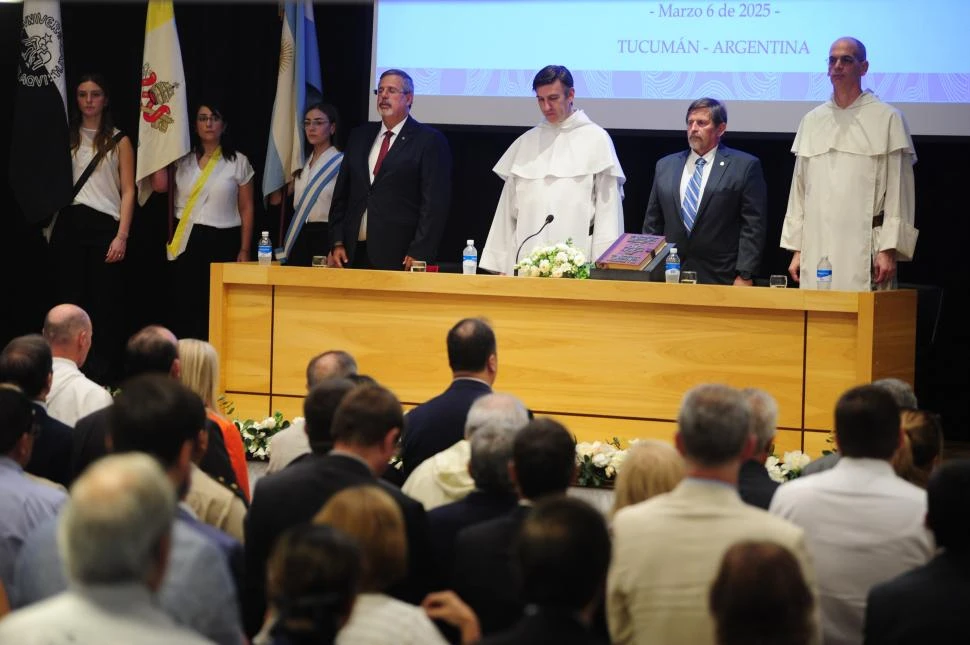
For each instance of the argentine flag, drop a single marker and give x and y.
(297, 86)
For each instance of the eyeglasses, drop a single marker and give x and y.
(392, 91)
(208, 118)
(318, 123)
(845, 60)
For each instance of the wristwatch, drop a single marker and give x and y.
(744, 275)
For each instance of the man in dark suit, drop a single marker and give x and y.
(393, 192)
(563, 552)
(755, 486)
(711, 202)
(493, 423)
(439, 423)
(27, 362)
(543, 464)
(365, 430)
(931, 604)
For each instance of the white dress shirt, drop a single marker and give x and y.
(863, 525)
(74, 396)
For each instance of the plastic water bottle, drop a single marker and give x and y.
(672, 267)
(264, 251)
(469, 258)
(823, 274)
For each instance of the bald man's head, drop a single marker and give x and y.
(68, 330)
(331, 364)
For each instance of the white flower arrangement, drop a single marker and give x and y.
(788, 467)
(562, 260)
(598, 463)
(256, 434)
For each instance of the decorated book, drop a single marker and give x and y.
(631, 251)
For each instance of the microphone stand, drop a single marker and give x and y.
(548, 221)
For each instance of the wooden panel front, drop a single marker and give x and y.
(830, 365)
(249, 406)
(247, 349)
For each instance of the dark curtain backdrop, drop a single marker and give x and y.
(230, 51)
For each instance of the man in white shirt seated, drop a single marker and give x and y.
(863, 524)
(72, 395)
(292, 442)
(115, 535)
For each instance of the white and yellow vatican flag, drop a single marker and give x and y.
(163, 123)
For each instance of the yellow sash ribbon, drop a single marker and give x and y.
(183, 230)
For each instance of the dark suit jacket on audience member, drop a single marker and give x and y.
(483, 575)
(408, 203)
(545, 627)
(755, 486)
(438, 423)
(930, 604)
(51, 456)
(732, 219)
(448, 521)
(297, 493)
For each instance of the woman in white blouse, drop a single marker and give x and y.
(312, 189)
(90, 237)
(214, 209)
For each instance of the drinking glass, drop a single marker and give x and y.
(688, 277)
(778, 281)
(419, 266)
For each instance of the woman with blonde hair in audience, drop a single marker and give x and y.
(760, 597)
(921, 450)
(199, 364)
(373, 518)
(651, 467)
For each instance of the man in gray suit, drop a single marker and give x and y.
(711, 201)
(667, 550)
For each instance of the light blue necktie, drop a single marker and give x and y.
(692, 196)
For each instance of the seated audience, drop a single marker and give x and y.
(115, 536)
(24, 503)
(290, 443)
(922, 446)
(199, 372)
(370, 516)
(863, 524)
(365, 430)
(72, 396)
(562, 554)
(493, 423)
(312, 583)
(543, 465)
(667, 550)
(755, 486)
(651, 467)
(444, 478)
(27, 362)
(157, 416)
(210, 501)
(439, 423)
(931, 603)
(760, 597)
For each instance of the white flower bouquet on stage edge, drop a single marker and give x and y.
(788, 467)
(598, 463)
(561, 260)
(256, 434)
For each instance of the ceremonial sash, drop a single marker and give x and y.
(314, 187)
(184, 229)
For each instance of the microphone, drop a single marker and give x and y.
(548, 221)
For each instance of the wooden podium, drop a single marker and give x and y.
(606, 358)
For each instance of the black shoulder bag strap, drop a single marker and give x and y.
(79, 184)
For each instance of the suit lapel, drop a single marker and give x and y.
(675, 187)
(720, 166)
(364, 159)
(398, 148)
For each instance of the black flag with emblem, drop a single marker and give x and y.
(40, 161)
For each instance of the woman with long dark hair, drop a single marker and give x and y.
(214, 209)
(312, 189)
(89, 238)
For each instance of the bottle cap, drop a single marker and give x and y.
(470, 242)
(266, 233)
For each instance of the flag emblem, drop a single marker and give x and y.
(155, 95)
